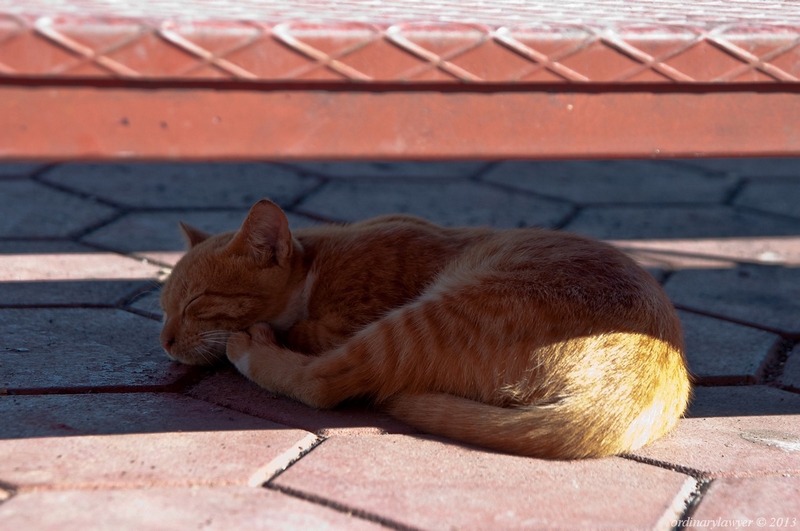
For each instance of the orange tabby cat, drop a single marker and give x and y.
(527, 341)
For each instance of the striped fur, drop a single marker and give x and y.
(527, 341)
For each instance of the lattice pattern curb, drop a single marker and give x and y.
(408, 52)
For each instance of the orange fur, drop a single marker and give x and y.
(528, 341)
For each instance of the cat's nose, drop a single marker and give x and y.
(167, 344)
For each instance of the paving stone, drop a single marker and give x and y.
(775, 499)
(149, 304)
(677, 222)
(429, 484)
(162, 509)
(749, 167)
(791, 370)
(55, 348)
(66, 273)
(447, 203)
(18, 169)
(766, 296)
(156, 236)
(33, 210)
(118, 461)
(392, 169)
(734, 431)
(779, 197)
(215, 185)
(623, 181)
(230, 389)
(70, 415)
(713, 253)
(723, 352)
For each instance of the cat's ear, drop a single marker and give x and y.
(192, 235)
(264, 234)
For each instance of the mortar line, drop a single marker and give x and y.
(342, 508)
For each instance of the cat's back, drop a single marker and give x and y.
(576, 282)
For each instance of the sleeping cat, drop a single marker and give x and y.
(526, 341)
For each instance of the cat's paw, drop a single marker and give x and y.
(242, 345)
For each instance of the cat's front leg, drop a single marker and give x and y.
(257, 341)
(257, 355)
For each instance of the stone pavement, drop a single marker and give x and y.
(99, 431)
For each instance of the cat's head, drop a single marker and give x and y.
(225, 283)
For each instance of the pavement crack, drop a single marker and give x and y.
(339, 507)
(734, 192)
(272, 470)
(696, 474)
(684, 520)
(771, 368)
(7, 491)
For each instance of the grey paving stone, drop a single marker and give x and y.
(636, 222)
(54, 348)
(149, 304)
(156, 236)
(593, 182)
(791, 370)
(34, 416)
(392, 169)
(766, 296)
(724, 352)
(429, 484)
(18, 169)
(749, 167)
(165, 508)
(447, 203)
(183, 185)
(30, 209)
(780, 197)
(66, 273)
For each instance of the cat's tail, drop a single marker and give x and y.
(559, 430)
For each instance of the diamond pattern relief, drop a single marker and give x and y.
(406, 52)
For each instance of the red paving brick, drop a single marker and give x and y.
(771, 502)
(734, 431)
(405, 170)
(779, 197)
(163, 509)
(613, 182)
(677, 222)
(765, 296)
(33, 210)
(723, 352)
(230, 389)
(467, 203)
(155, 235)
(164, 185)
(67, 273)
(172, 458)
(430, 484)
(742, 437)
(714, 253)
(791, 371)
(773, 167)
(148, 304)
(69, 415)
(18, 169)
(56, 348)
